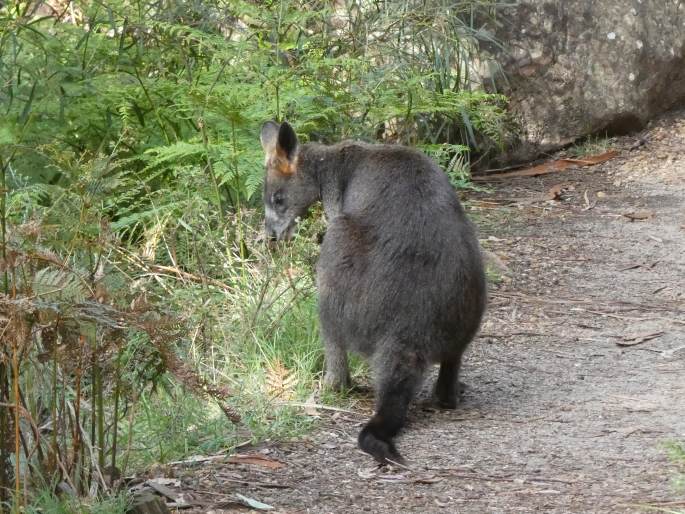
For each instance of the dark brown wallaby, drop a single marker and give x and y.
(400, 275)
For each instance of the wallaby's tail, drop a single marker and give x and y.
(376, 440)
(398, 377)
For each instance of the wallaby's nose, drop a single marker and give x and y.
(271, 236)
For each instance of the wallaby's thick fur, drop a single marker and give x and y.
(400, 274)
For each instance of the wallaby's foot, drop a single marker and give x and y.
(337, 375)
(337, 382)
(379, 447)
(346, 385)
(447, 400)
(447, 386)
(447, 403)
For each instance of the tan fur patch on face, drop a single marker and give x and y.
(286, 167)
(278, 163)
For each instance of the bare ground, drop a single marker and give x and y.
(557, 416)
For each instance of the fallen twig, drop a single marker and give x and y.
(586, 301)
(510, 334)
(630, 318)
(549, 167)
(638, 215)
(266, 485)
(255, 459)
(634, 341)
(305, 405)
(197, 460)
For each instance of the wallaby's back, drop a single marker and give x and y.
(401, 259)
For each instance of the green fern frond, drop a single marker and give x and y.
(56, 284)
(175, 153)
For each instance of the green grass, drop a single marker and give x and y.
(676, 452)
(493, 275)
(593, 145)
(258, 338)
(46, 502)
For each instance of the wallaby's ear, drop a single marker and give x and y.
(280, 146)
(287, 141)
(269, 136)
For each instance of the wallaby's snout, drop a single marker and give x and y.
(271, 236)
(277, 228)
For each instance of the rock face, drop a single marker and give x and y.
(580, 67)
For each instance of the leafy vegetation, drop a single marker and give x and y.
(591, 146)
(676, 452)
(133, 267)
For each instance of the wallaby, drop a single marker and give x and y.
(400, 275)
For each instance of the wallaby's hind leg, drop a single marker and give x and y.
(398, 378)
(337, 376)
(447, 386)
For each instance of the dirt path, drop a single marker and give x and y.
(557, 416)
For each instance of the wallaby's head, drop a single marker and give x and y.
(288, 191)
